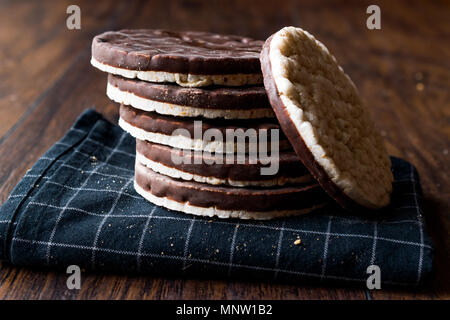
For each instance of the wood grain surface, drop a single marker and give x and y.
(402, 72)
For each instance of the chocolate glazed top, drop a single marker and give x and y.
(250, 97)
(178, 52)
(289, 163)
(154, 122)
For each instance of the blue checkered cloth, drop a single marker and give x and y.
(77, 206)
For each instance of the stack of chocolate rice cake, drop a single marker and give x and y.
(181, 95)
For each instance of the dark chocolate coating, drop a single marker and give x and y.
(289, 163)
(154, 122)
(228, 98)
(186, 52)
(295, 138)
(229, 198)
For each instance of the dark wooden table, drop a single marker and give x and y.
(402, 72)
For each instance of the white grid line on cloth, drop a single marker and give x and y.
(46, 158)
(231, 223)
(141, 240)
(303, 231)
(5, 221)
(277, 258)
(103, 162)
(384, 239)
(186, 244)
(97, 143)
(419, 219)
(206, 261)
(59, 143)
(233, 244)
(126, 177)
(78, 189)
(325, 249)
(89, 212)
(353, 220)
(89, 155)
(32, 175)
(73, 188)
(77, 130)
(17, 195)
(400, 221)
(99, 173)
(73, 197)
(102, 223)
(85, 171)
(128, 170)
(374, 246)
(81, 170)
(109, 148)
(138, 197)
